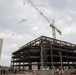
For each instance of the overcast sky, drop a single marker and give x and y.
(17, 34)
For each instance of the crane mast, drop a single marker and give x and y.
(51, 23)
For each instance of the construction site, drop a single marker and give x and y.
(45, 54)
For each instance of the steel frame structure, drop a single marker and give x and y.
(44, 52)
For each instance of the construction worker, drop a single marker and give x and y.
(54, 71)
(65, 70)
(4, 71)
(57, 71)
(34, 72)
(1, 71)
(47, 68)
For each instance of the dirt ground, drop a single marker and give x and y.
(68, 73)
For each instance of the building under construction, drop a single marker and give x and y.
(44, 52)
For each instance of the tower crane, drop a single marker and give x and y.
(43, 49)
(51, 23)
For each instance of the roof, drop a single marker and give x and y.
(46, 39)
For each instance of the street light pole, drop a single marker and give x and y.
(61, 61)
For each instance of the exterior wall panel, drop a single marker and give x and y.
(1, 43)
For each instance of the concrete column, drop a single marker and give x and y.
(51, 57)
(50, 66)
(38, 67)
(13, 65)
(16, 65)
(19, 66)
(68, 65)
(23, 66)
(30, 67)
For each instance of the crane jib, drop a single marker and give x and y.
(51, 24)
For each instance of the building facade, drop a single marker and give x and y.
(1, 43)
(44, 52)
